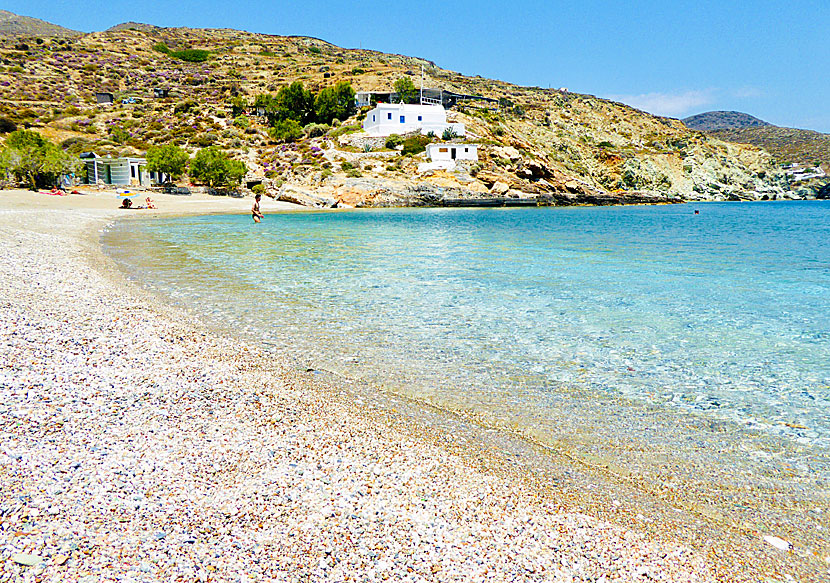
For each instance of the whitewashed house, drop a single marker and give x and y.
(444, 156)
(401, 118)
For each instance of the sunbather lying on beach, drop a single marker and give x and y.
(150, 203)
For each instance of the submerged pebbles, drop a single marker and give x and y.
(136, 447)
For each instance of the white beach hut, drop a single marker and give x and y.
(117, 171)
(444, 156)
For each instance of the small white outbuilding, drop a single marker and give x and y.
(401, 118)
(444, 156)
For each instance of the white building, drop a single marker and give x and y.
(444, 156)
(401, 118)
(119, 171)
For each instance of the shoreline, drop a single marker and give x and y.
(419, 480)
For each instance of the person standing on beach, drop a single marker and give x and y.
(257, 216)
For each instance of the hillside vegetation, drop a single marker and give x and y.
(787, 145)
(568, 147)
(15, 26)
(722, 120)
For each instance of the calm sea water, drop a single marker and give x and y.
(617, 327)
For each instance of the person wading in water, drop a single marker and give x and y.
(257, 216)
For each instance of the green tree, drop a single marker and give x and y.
(168, 159)
(405, 89)
(212, 166)
(295, 102)
(286, 130)
(335, 103)
(31, 157)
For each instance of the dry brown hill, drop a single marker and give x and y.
(787, 145)
(571, 147)
(14, 25)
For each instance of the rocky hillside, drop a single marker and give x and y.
(711, 121)
(15, 26)
(787, 145)
(553, 145)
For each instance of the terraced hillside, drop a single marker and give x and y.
(569, 147)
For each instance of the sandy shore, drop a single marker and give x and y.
(136, 445)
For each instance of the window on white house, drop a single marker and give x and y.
(403, 119)
(373, 118)
(420, 118)
(388, 116)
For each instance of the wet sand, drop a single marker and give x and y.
(139, 444)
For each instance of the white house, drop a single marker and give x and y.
(119, 171)
(444, 156)
(400, 118)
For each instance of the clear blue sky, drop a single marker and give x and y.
(769, 58)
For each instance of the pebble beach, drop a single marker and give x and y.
(138, 445)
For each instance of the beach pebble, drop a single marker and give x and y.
(26, 559)
(778, 543)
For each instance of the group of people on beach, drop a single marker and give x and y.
(128, 204)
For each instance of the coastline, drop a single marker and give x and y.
(171, 444)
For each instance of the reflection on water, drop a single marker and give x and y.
(620, 330)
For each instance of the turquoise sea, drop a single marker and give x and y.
(662, 341)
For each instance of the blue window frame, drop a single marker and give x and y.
(373, 118)
(388, 116)
(403, 118)
(420, 118)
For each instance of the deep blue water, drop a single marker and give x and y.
(516, 316)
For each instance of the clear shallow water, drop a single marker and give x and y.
(593, 325)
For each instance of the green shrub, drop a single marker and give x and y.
(191, 55)
(258, 188)
(393, 141)
(315, 50)
(186, 106)
(242, 122)
(119, 135)
(6, 125)
(161, 48)
(205, 140)
(346, 166)
(286, 130)
(415, 145)
(449, 134)
(314, 130)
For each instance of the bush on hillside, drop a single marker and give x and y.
(286, 130)
(213, 167)
(415, 145)
(315, 130)
(7, 126)
(168, 159)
